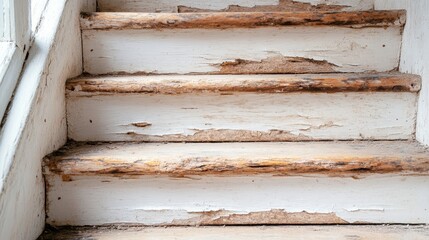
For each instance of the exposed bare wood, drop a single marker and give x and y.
(108, 21)
(330, 158)
(170, 84)
(222, 217)
(393, 232)
(277, 64)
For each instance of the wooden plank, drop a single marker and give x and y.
(122, 21)
(207, 117)
(180, 159)
(179, 84)
(393, 232)
(235, 5)
(236, 200)
(242, 51)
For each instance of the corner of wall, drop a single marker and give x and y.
(36, 122)
(415, 54)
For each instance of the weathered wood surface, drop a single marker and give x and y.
(242, 51)
(235, 200)
(232, 5)
(208, 117)
(122, 21)
(180, 159)
(179, 84)
(393, 232)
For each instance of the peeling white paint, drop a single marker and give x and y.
(171, 5)
(91, 200)
(202, 50)
(383, 115)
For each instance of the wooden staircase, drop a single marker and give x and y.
(194, 113)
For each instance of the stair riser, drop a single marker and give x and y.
(241, 117)
(242, 51)
(91, 200)
(219, 5)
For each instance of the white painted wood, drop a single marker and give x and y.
(37, 8)
(395, 232)
(20, 24)
(415, 53)
(35, 124)
(164, 201)
(11, 63)
(202, 50)
(171, 5)
(301, 116)
(15, 30)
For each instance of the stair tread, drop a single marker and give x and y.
(279, 158)
(358, 19)
(386, 232)
(270, 83)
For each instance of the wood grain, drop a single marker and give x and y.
(170, 84)
(327, 158)
(221, 20)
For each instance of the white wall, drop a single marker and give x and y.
(415, 53)
(36, 124)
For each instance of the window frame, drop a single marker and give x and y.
(14, 41)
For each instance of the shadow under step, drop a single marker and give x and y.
(242, 233)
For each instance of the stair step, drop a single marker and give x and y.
(238, 183)
(122, 21)
(395, 232)
(278, 83)
(231, 5)
(181, 159)
(214, 108)
(242, 43)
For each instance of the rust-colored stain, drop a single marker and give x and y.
(283, 6)
(222, 20)
(276, 216)
(278, 64)
(339, 82)
(66, 178)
